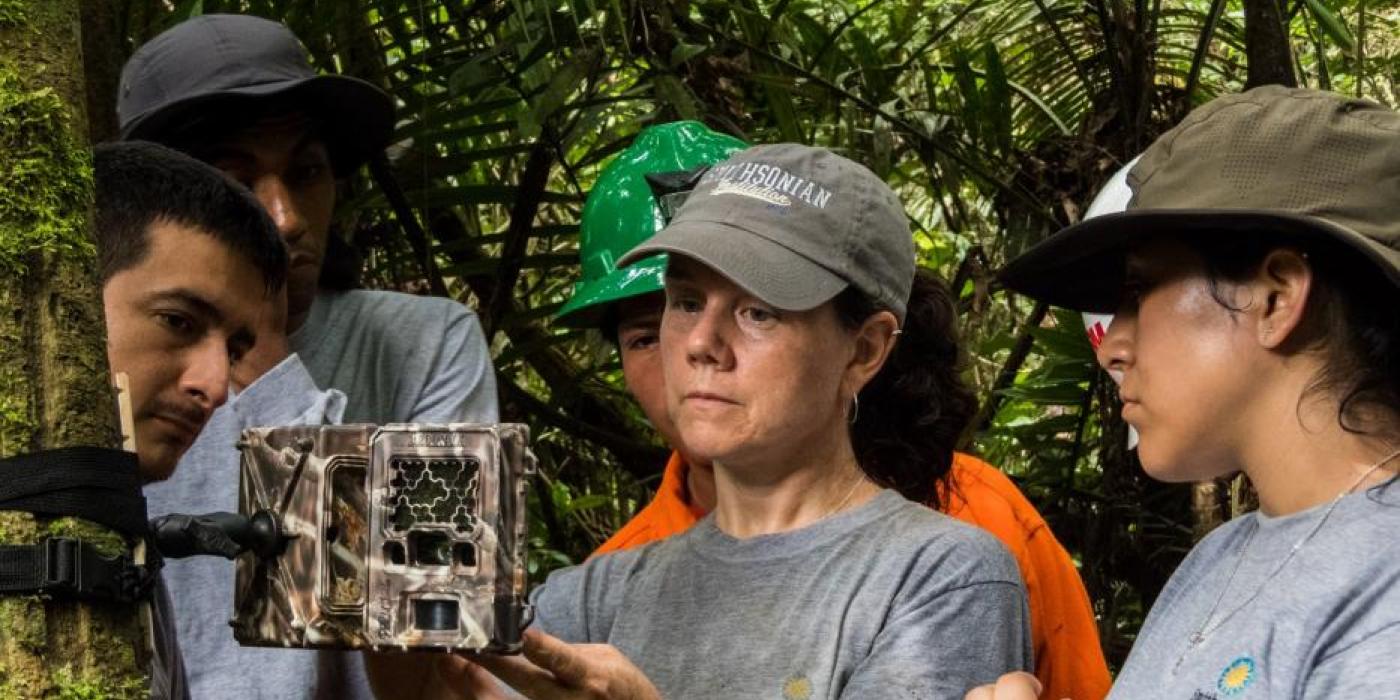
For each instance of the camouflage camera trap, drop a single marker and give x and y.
(405, 536)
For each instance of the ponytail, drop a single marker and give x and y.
(913, 411)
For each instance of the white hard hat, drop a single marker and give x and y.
(1113, 198)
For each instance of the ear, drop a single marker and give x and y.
(875, 341)
(1285, 280)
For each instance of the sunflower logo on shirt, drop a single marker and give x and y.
(1237, 676)
(797, 687)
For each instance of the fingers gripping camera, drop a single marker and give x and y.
(406, 536)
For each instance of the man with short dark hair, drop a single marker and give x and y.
(178, 330)
(239, 93)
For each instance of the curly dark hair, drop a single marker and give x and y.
(914, 409)
(1351, 317)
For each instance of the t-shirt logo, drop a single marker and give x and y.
(797, 687)
(1237, 676)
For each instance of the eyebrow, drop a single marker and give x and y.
(228, 151)
(647, 320)
(243, 335)
(674, 274)
(189, 298)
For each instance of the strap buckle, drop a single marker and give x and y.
(62, 568)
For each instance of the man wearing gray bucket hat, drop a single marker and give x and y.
(239, 93)
(1254, 278)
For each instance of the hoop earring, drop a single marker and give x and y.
(855, 408)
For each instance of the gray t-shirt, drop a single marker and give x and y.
(1327, 625)
(387, 357)
(888, 600)
(398, 357)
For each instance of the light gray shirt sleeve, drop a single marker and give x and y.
(287, 395)
(935, 641)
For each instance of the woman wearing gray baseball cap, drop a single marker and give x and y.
(805, 358)
(1254, 276)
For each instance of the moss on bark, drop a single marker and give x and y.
(54, 387)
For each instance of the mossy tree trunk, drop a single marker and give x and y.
(54, 386)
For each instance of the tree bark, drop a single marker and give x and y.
(1268, 54)
(54, 382)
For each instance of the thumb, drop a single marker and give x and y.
(459, 677)
(556, 656)
(1018, 686)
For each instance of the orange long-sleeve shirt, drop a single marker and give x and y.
(1068, 659)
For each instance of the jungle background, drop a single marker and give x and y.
(995, 120)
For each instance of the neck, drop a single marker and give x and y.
(699, 483)
(753, 500)
(1302, 457)
(297, 320)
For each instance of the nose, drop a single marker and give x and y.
(705, 341)
(272, 191)
(1115, 351)
(206, 375)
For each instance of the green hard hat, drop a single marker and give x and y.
(621, 212)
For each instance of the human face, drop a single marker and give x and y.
(289, 170)
(748, 384)
(175, 329)
(1187, 364)
(639, 344)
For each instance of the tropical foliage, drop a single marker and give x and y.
(994, 119)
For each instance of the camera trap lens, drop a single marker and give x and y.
(393, 551)
(466, 554)
(430, 549)
(435, 615)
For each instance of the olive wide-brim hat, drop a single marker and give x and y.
(211, 66)
(1305, 165)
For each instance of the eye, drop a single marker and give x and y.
(640, 340)
(236, 351)
(176, 322)
(759, 315)
(1135, 287)
(308, 173)
(683, 301)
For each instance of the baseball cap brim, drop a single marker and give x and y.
(763, 268)
(356, 118)
(1082, 266)
(592, 298)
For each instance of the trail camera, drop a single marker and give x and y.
(405, 536)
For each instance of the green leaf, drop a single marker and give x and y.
(673, 92)
(1331, 24)
(684, 52)
(997, 103)
(587, 502)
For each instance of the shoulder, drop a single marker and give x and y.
(945, 549)
(396, 306)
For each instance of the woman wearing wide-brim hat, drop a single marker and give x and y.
(1254, 279)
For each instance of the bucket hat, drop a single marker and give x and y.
(1306, 165)
(207, 67)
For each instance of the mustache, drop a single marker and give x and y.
(193, 415)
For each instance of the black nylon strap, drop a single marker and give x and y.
(68, 567)
(93, 483)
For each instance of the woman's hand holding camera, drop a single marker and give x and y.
(551, 669)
